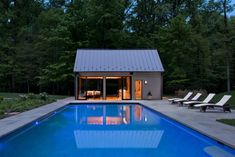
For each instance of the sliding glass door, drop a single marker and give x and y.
(126, 88)
(116, 88)
(90, 88)
(113, 88)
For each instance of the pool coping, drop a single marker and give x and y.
(13, 123)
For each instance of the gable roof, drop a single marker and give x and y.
(97, 60)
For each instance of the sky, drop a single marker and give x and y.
(233, 12)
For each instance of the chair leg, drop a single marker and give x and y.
(200, 109)
(226, 108)
(190, 106)
(203, 108)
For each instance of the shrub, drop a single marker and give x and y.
(203, 91)
(32, 96)
(1, 114)
(43, 96)
(1, 98)
(8, 107)
(181, 93)
(23, 97)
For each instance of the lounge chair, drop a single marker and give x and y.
(172, 100)
(196, 97)
(222, 104)
(190, 104)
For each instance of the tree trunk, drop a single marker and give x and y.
(12, 83)
(28, 86)
(226, 44)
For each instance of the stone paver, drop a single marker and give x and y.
(203, 122)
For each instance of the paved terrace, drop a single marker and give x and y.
(203, 122)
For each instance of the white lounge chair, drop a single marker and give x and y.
(186, 97)
(205, 101)
(196, 97)
(221, 104)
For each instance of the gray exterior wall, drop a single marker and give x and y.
(154, 79)
(154, 84)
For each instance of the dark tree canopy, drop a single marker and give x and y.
(39, 38)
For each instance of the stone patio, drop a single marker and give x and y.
(203, 122)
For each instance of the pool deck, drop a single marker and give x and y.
(203, 122)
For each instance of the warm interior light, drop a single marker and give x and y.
(116, 77)
(94, 77)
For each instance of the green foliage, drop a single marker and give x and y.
(43, 96)
(31, 96)
(181, 93)
(231, 102)
(16, 104)
(1, 98)
(39, 40)
(1, 114)
(23, 96)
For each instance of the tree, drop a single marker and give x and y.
(105, 23)
(38, 40)
(225, 5)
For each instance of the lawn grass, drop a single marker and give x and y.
(227, 121)
(18, 102)
(16, 95)
(10, 95)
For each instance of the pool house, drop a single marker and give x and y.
(118, 74)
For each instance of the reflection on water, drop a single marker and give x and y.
(117, 116)
(108, 114)
(118, 138)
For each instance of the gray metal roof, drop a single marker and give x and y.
(117, 61)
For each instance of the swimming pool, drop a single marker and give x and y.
(95, 130)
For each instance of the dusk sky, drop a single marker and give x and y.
(233, 12)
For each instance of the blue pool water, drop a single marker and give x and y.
(110, 130)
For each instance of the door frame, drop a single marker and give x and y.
(141, 89)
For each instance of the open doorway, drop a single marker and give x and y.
(113, 88)
(118, 88)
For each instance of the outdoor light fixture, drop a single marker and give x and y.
(145, 82)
